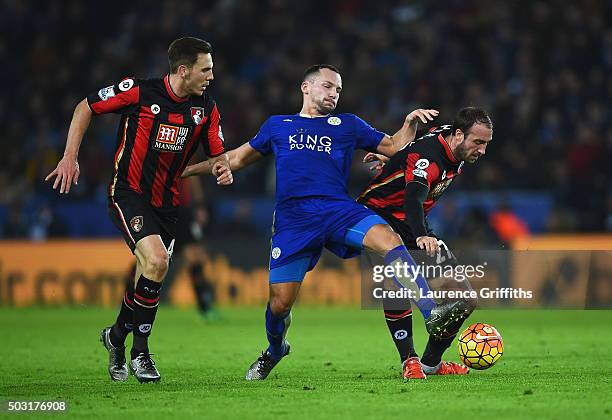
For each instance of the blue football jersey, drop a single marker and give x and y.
(313, 155)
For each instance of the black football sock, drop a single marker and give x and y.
(206, 296)
(434, 350)
(203, 289)
(399, 322)
(146, 301)
(123, 324)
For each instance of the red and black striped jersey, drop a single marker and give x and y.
(427, 160)
(158, 134)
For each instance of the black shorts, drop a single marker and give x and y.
(185, 228)
(136, 218)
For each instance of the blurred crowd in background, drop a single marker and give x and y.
(541, 68)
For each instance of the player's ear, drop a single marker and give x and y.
(304, 87)
(459, 135)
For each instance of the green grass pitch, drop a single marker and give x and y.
(343, 365)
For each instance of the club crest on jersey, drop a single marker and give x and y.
(107, 92)
(171, 138)
(136, 223)
(197, 115)
(334, 121)
(276, 252)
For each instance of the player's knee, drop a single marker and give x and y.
(280, 306)
(157, 264)
(390, 240)
(381, 238)
(394, 240)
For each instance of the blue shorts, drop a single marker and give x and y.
(302, 227)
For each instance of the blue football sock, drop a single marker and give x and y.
(417, 283)
(276, 330)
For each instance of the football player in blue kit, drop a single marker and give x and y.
(313, 151)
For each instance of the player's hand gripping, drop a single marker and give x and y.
(423, 115)
(375, 157)
(429, 244)
(223, 173)
(66, 173)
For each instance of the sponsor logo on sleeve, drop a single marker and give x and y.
(422, 163)
(155, 109)
(107, 92)
(126, 85)
(420, 173)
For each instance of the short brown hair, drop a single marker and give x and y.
(184, 51)
(468, 116)
(315, 68)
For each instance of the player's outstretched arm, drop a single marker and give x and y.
(415, 195)
(236, 160)
(380, 161)
(67, 171)
(221, 169)
(390, 145)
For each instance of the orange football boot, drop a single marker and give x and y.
(451, 368)
(413, 369)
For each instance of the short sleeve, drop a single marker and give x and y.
(215, 142)
(262, 142)
(117, 98)
(420, 169)
(367, 137)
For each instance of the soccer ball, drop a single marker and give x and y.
(480, 346)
